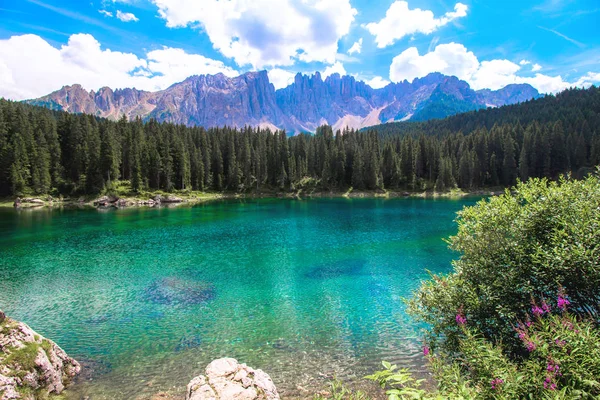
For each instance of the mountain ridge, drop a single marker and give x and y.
(308, 102)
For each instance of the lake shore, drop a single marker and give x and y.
(146, 199)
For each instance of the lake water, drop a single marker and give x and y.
(304, 289)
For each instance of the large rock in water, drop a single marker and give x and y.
(226, 379)
(31, 366)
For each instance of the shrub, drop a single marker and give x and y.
(543, 236)
(563, 362)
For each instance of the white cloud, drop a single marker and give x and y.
(356, 47)
(281, 78)
(338, 67)
(174, 65)
(449, 59)
(105, 13)
(589, 79)
(400, 21)
(534, 67)
(30, 67)
(346, 58)
(126, 17)
(266, 32)
(494, 74)
(455, 59)
(377, 82)
(544, 83)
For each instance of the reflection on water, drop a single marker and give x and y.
(305, 290)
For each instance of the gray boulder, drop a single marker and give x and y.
(172, 199)
(105, 201)
(31, 363)
(226, 379)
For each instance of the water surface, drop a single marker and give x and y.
(305, 289)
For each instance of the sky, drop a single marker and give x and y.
(152, 44)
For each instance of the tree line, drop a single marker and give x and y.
(54, 152)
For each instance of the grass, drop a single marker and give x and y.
(21, 361)
(47, 346)
(7, 325)
(38, 394)
(23, 357)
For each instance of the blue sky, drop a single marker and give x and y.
(151, 44)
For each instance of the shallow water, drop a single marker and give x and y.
(305, 289)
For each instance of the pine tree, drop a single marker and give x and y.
(524, 164)
(509, 165)
(136, 169)
(465, 170)
(108, 154)
(217, 166)
(559, 158)
(357, 171)
(445, 179)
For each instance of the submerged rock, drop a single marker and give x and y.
(31, 366)
(226, 379)
(179, 291)
(189, 342)
(351, 267)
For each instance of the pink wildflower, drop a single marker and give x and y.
(545, 307)
(562, 302)
(530, 346)
(496, 382)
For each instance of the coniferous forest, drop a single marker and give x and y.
(52, 152)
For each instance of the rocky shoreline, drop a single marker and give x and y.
(33, 367)
(170, 200)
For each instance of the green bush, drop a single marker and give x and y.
(563, 362)
(338, 391)
(515, 247)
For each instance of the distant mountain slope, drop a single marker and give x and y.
(574, 104)
(309, 102)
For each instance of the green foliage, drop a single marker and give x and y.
(500, 321)
(47, 346)
(543, 236)
(400, 384)
(340, 392)
(563, 362)
(23, 357)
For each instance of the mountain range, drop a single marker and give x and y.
(310, 101)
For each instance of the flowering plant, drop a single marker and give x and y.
(562, 360)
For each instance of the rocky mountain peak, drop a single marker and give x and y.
(310, 101)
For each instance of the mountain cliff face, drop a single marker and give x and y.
(310, 101)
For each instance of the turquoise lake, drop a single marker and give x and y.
(304, 289)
